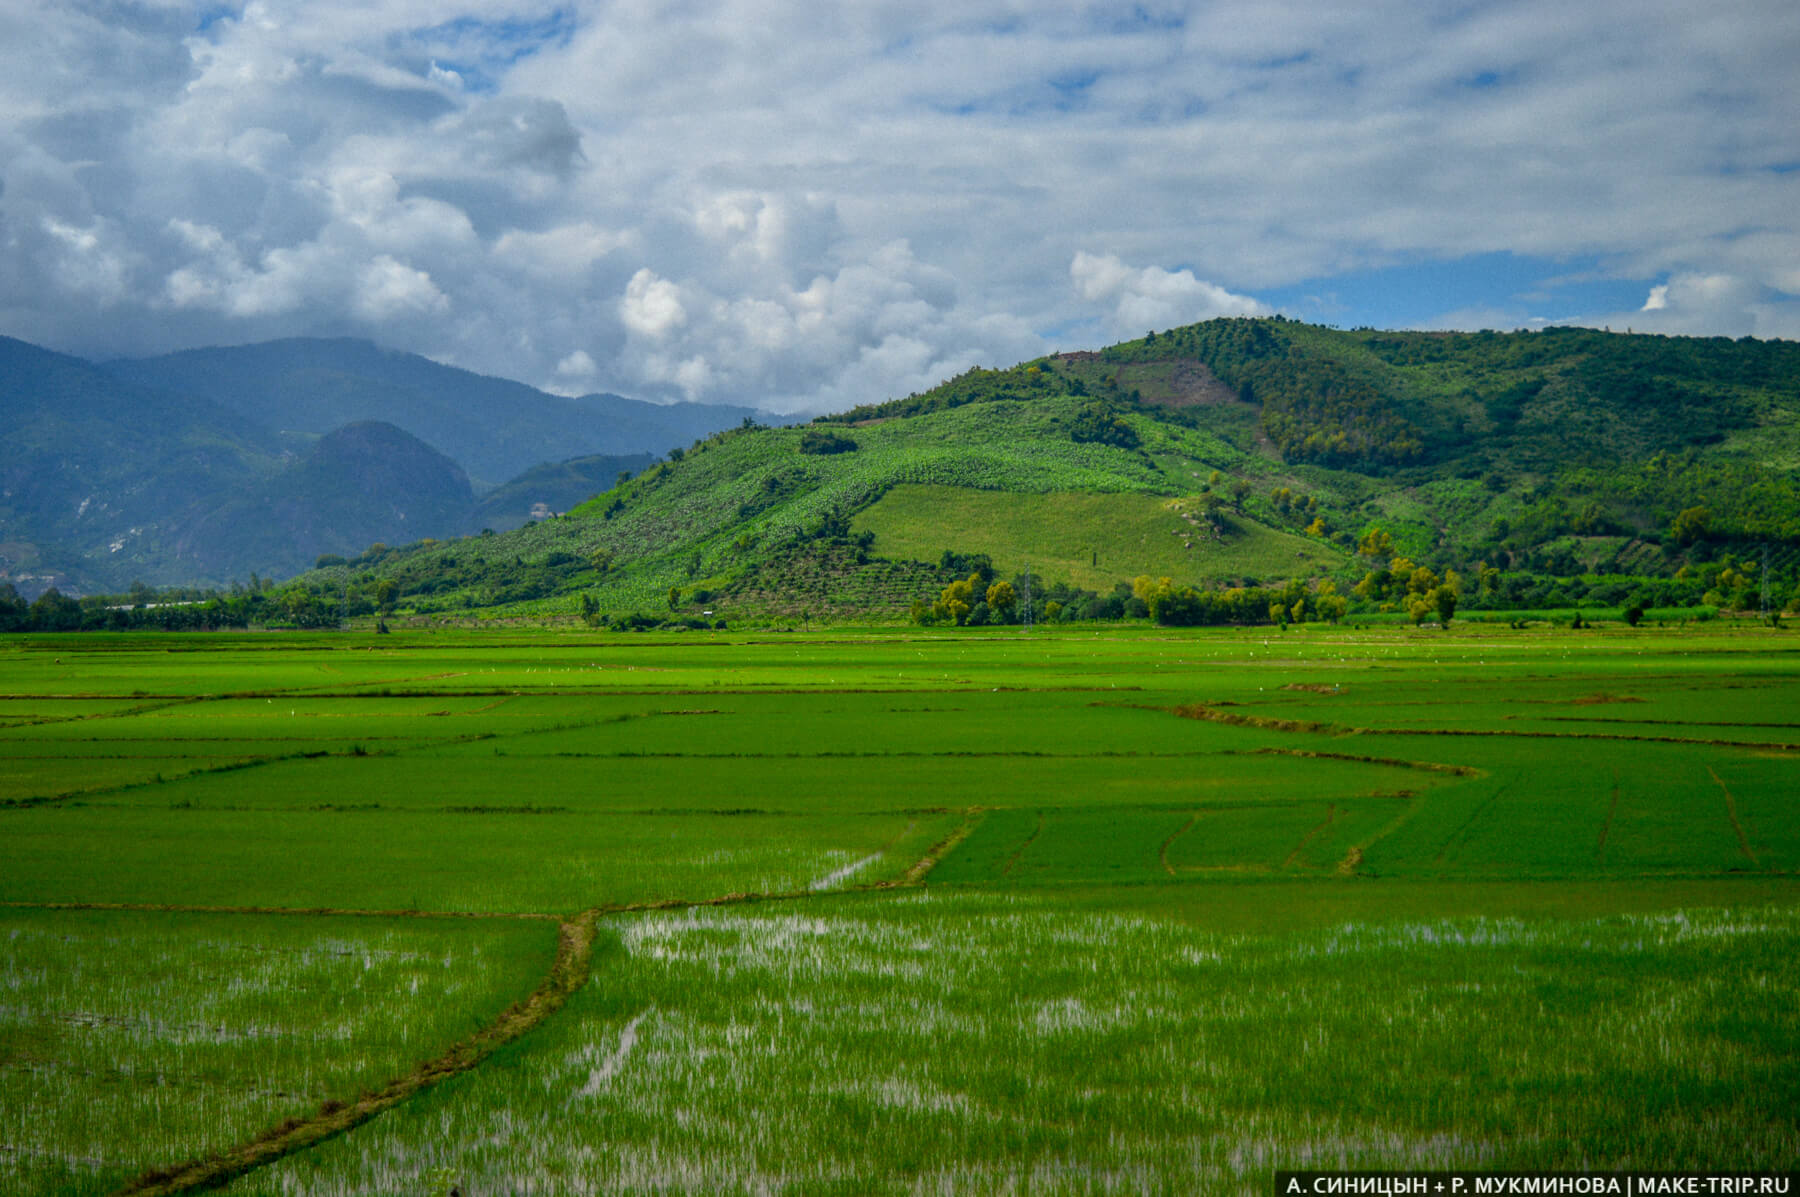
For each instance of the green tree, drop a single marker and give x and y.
(958, 599)
(1097, 424)
(1692, 524)
(55, 611)
(824, 443)
(1001, 600)
(1444, 599)
(14, 611)
(1376, 545)
(1178, 606)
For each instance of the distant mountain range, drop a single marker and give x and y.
(205, 466)
(493, 428)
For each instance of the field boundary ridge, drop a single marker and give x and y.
(569, 972)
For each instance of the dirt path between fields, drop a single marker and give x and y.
(569, 973)
(1395, 762)
(1198, 710)
(939, 850)
(1162, 853)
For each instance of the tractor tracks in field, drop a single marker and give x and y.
(1612, 808)
(1024, 847)
(1731, 812)
(1310, 836)
(1470, 821)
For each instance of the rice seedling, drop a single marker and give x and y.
(971, 1043)
(1386, 898)
(130, 1039)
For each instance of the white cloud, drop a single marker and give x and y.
(766, 201)
(388, 288)
(652, 306)
(1715, 304)
(577, 366)
(1150, 298)
(87, 262)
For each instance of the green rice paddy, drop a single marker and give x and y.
(902, 911)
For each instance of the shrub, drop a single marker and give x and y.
(821, 442)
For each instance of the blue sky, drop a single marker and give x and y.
(1505, 290)
(809, 207)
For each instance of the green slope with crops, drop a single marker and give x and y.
(1588, 467)
(751, 521)
(1091, 540)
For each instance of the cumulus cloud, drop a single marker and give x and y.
(652, 306)
(387, 288)
(1719, 304)
(752, 201)
(1150, 297)
(577, 365)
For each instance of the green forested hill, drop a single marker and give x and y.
(1567, 431)
(1567, 463)
(557, 486)
(364, 483)
(94, 471)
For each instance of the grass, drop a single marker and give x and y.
(1089, 540)
(133, 1038)
(980, 1044)
(492, 858)
(1545, 876)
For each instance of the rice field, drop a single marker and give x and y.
(907, 911)
(132, 1037)
(978, 1043)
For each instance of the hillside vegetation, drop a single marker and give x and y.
(1288, 470)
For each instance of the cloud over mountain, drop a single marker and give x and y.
(750, 200)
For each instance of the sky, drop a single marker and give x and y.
(809, 206)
